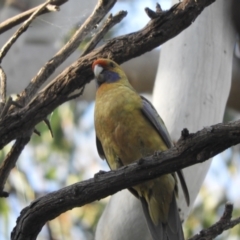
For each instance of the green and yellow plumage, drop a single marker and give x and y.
(127, 129)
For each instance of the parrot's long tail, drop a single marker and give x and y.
(172, 230)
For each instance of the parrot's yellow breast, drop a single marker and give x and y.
(124, 132)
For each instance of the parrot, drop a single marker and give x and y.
(129, 128)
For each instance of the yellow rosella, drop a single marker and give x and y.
(128, 128)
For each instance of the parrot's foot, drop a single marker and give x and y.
(140, 161)
(101, 172)
(157, 154)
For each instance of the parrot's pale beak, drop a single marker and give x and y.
(97, 70)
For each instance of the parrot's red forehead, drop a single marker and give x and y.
(100, 61)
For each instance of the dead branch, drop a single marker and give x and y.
(216, 229)
(190, 149)
(3, 79)
(111, 21)
(10, 161)
(102, 8)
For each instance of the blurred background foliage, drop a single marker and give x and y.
(48, 164)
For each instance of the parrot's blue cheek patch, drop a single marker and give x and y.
(111, 76)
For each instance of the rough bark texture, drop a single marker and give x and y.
(216, 229)
(190, 149)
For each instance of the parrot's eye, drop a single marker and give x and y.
(111, 64)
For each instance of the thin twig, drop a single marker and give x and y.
(97, 15)
(12, 22)
(6, 107)
(10, 161)
(216, 229)
(47, 122)
(3, 78)
(111, 21)
(158, 8)
(37, 132)
(20, 31)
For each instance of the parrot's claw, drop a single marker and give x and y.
(101, 172)
(140, 161)
(157, 153)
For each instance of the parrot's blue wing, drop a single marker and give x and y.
(174, 225)
(151, 114)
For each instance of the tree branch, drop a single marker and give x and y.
(190, 149)
(71, 80)
(10, 161)
(3, 79)
(99, 12)
(5, 107)
(102, 8)
(111, 21)
(216, 229)
(12, 22)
